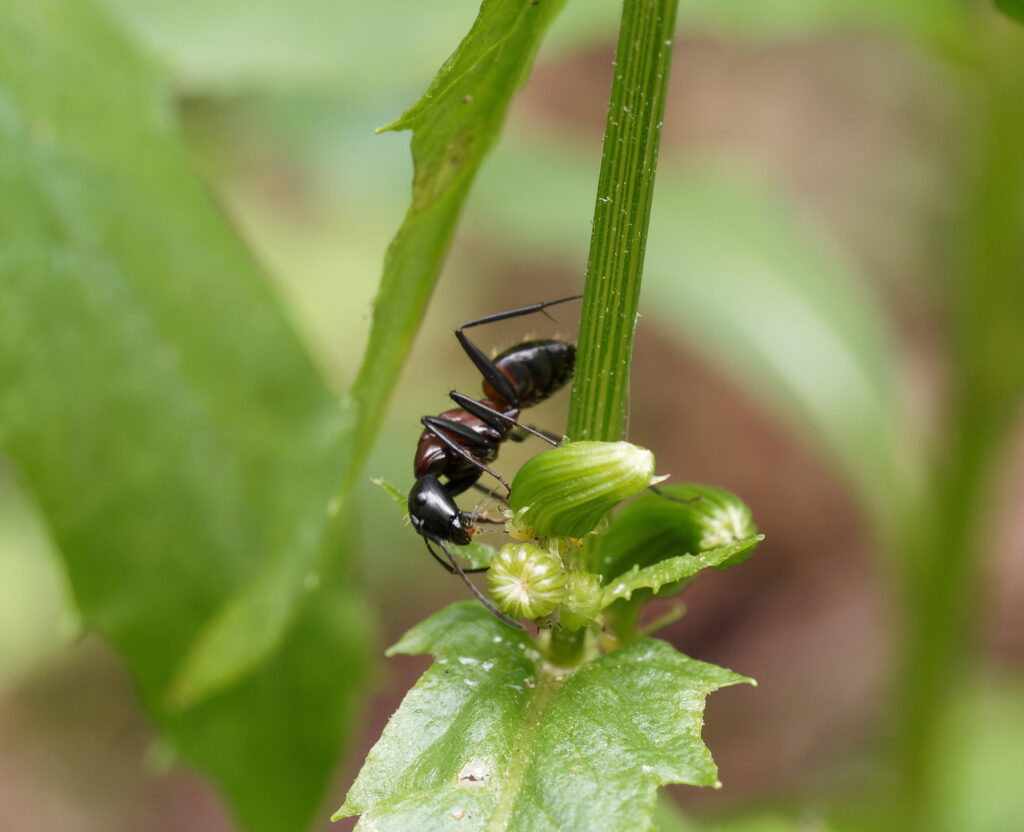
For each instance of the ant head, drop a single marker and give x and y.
(434, 515)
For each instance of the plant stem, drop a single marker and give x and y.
(986, 300)
(621, 217)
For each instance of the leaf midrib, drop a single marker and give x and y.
(550, 681)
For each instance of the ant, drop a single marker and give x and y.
(459, 444)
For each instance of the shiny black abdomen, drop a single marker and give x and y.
(537, 369)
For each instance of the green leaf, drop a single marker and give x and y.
(397, 497)
(476, 554)
(654, 527)
(493, 737)
(160, 408)
(454, 125)
(674, 569)
(1013, 9)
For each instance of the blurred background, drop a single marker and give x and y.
(830, 328)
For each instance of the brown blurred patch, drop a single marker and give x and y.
(73, 751)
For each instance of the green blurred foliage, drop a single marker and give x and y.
(159, 407)
(280, 102)
(1011, 8)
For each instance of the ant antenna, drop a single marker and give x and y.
(673, 498)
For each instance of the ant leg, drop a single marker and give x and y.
(479, 595)
(522, 435)
(451, 571)
(437, 426)
(486, 367)
(489, 415)
(463, 432)
(673, 498)
(550, 437)
(437, 557)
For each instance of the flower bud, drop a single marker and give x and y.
(680, 519)
(526, 581)
(584, 598)
(566, 491)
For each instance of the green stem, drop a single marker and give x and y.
(567, 646)
(621, 217)
(986, 303)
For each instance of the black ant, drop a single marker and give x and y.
(459, 444)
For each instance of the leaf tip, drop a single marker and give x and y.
(403, 122)
(194, 682)
(345, 811)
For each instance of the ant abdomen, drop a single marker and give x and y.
(536, 369)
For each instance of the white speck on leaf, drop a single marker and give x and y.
(476, 774)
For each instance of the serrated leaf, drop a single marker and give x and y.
(493, 738)
(159, 406)
(672, 570)
(397, 497)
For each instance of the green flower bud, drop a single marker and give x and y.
(565, 492)
(526, 581)
(583, 600)
(682, 519)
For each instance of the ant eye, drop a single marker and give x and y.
(421, 498)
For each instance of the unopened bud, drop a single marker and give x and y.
(566, 491)
(583, 600)
(526, 581)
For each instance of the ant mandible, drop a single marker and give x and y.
(459, 444)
